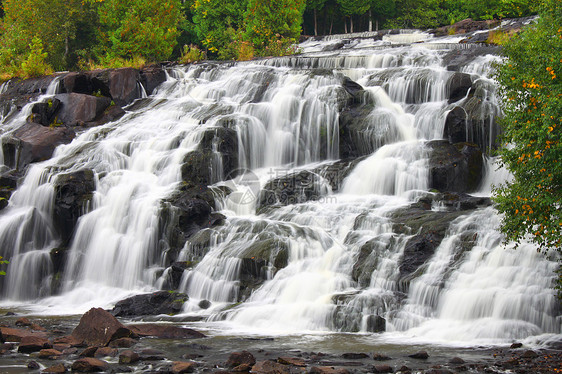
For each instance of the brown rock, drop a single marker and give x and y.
(49, 353)
(516, 345)
(122, 343)
(33, 365)
(150, 354)
(327, 370)
(180, 367)
(59, 368)
(88, 352)
(269, 367)
(23, 322)
(354, 356)
(241, 368)
(98, 327)
(294, 361)
(15, 335)
(31, 344)
(36, 327)
(421, 355)
(128, 357)
(106, 352)
(529, 354)
(165, 331)
(456, 361)
(89, 364)
(69, 340)
(70, 351)
(383, 369)
(239, 358)
(123, 85)
(61, 347)
(379, 357)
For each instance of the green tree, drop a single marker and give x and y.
(350, 8)
(63, 27)
(217, 22)
(146, 28)
(530, 81)
(272, 26)
(315, 6)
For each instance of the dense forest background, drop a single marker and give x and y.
(40, 36)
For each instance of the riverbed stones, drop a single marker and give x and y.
(181, 367)
(383, 368)
(122, 343)
(55, 369)
(327, 370)
(293, 361)
(106, 352)
(164, 331)
(421, 355)
(128, 357)
(49, 353)
(98, 327)
(269, 367)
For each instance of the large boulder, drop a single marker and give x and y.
(89, 365)
(455, 168)
(151, 77)
(18, 92)
(78, 109)
(293, 189)
(456, 59)
(161, 302)
(73, 192)
(33, 143)
(98, 327)
(33, 343)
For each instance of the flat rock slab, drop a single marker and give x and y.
(15, 335)
(165, 331)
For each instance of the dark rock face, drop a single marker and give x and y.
(44, 113)
(29, 344)
(458, 86)
(239, 358)
(32, 143)
(73, 193)
(453, 169)
(455, 126)
(98, 328)
(151, 77)
(123, 85)
(456, 59)
(161, 302)
(20, 92)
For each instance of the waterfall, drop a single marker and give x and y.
(333, 211)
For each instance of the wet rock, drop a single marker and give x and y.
(459, 58)
(204, 304)
(122, 343)
(128, 357)
(421, 355)
(44, 113)
(375, 323)
(88, 352)
(111, 113)
(455, 126)
(73, 193)
(293, 361)
(529, 354)
(98, 327)
(77, 83)
(293, 189)
(353, 88)
(33, 365)
(161, 302)
(439, 371)
(458, 86)
(180, 367)
(89, 365)
(58, 368)
(150, 354)
(454, 169)
(380, 357)
(383, 369)
(354, 356)
(106, 352)
(23, 322)
(516, 345)
(404, 369)
(269, 367)
(151, 77)
(18, 92)
(239, 358)
(333, 46)
(327, 370)
(165, 331)
(70, 340)
(29, 344)
(457, 361)
(49, 353)
(33, 143)
(77, 109)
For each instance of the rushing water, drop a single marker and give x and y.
(285, 113)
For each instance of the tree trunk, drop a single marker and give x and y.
(351, 23)
(377, 25)
(370, 22)
(344, 25)
(315, 24)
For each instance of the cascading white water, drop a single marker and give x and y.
(328, 264)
